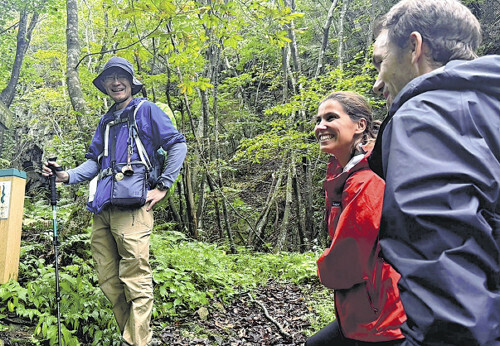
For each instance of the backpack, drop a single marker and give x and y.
(158, 161)
(155, 165)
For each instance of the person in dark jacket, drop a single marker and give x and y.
(127, 137)
(439, 152)
(367, 304)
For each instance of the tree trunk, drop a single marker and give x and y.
(73, 54)
(188, 178)
(23, 41)
(175, 213)
(369, 34)
(309, 217)
(293, 45)
(284, 60)
(205, 111)
(326, 34)
(298, 209)
(190, 204)
(180, 193)
(216, 207)
(285, 222)
(264, 218)
(340, 53)
(215, 81)
(201, 202)
(226, 220)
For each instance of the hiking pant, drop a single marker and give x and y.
(332, 335)
(120, 249)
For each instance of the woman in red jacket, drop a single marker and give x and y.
(367, 304)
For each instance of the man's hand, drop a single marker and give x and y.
(61, 175)
(154, 196)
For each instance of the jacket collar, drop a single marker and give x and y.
(109, 114)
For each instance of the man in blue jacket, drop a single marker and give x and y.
(127, 136)
(439, 152)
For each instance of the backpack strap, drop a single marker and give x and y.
(106, 136)
(134, 133)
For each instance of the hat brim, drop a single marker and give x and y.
(99, 80)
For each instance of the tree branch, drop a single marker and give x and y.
(276, 323)
(122, 48)
(10, 27)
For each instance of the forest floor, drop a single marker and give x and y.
(275, 314)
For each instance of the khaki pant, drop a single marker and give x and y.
(120, 249)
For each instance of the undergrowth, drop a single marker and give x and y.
(187, 275)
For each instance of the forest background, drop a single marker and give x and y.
(243, 79)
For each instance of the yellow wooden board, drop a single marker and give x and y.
(11, 218)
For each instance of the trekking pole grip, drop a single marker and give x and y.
(53, 192)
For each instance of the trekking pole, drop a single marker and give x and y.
(53, 202)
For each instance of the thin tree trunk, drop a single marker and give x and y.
(73, 53)
(201, 202)
(264, 219)
(340, 52)
(285, 62)
(175, 213)
(180, 193)
(226, 221)
(216, 207)
(24, 33)
(214, 62)
(369, 34)
(205, 111)
(298, 209)
(187, 176)
(309, 219)
(326, 34)
(285, 222)
(190, 204)
(292, 75)
(265, 213)
(293, 44)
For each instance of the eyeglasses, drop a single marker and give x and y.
(115, 76)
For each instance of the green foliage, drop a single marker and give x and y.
(85, 312)
(286, 134)
(322, 303)
(188, 273)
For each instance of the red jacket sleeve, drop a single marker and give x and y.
(354, 248)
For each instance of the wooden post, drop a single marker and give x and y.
(12, 185)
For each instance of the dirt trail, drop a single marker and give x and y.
(244, 322)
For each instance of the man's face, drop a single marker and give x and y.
(118, 87)
(394, 67)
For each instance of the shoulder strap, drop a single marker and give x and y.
(134, 133)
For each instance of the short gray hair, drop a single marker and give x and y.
(448, 27)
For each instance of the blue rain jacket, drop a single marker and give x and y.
(155, 130)
(439, 152)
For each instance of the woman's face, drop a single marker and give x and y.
(336, 132)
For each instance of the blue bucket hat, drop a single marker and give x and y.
(116, 64)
